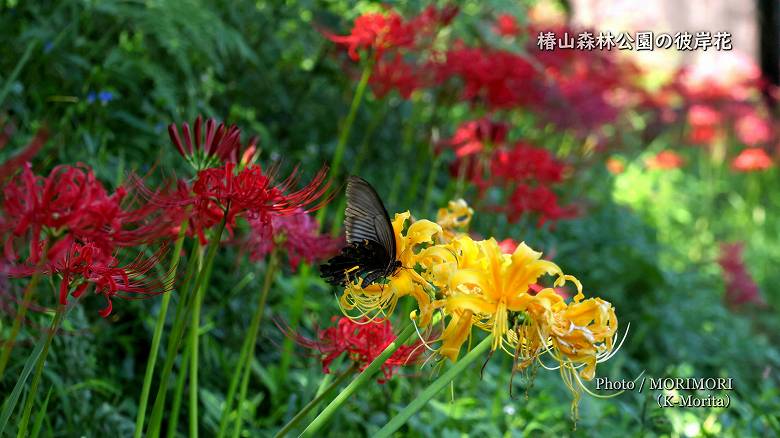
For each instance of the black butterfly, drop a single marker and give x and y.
(370, 250)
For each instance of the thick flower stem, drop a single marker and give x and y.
(179, 325)
(55, 324)
(183, 308)
(362, 379)
(157, 336)
(248, 351)
(341, 145)
(315, 401)
(428, 393)
(178, 393)
(9, 343)
(192, 341)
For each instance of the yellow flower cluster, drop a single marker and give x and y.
(474, 284)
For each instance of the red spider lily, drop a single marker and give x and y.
(499, 78)
(381, 32)
(395, 74)
(539, 200)
(70, 205)
(475, 136)
(508, 245)
(85, 264)
(297, 233)
(225, 192)
(665, 160)
(524, 161)
(740, 287)
(375, 31)
(753, 129)
(506, 25)
(705, 124)
(751, 159)
(362, 341)
(219, 143)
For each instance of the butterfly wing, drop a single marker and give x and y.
(366, 217)
(370, 252)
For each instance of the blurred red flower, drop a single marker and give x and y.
(752, 129)
(539, 200)
(376, 31)
(506, 25)
(499, 78)
(665, 160)
(740, 287)
(751, 159)
(476, 136)
(523, 161)
(704, 121)
(362, 341)
(395, 74)
(297, 234)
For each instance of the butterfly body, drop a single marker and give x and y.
(370, 252)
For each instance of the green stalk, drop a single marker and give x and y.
(22, 432)
(17, 69)
(178, 393)
(192, 344)
(341, 144)
(360, 156)
(315, 401)
(183, 308)
(157, 336)
(9, 343)
(428, 393)
(406, 148)
(361, 380)
(248, 351)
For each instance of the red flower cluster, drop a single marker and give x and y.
(665, 160)
(527, 172)
(396, 45)
(67, 224)
(740, 287)
(230, 190)
(362, 341)
(499, 78)
(751, 159)
(297, 234)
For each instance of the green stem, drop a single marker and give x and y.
(248, 350)
(178, 393)
(314, 402)
(157, 336)
(9, 343)
(361, 380)
(201, 284)
(406, 148)
(341, 144)
(360, 156)
(22, 432)
(428, 393)
(192, 344)
(183, 309)
(18, 69)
